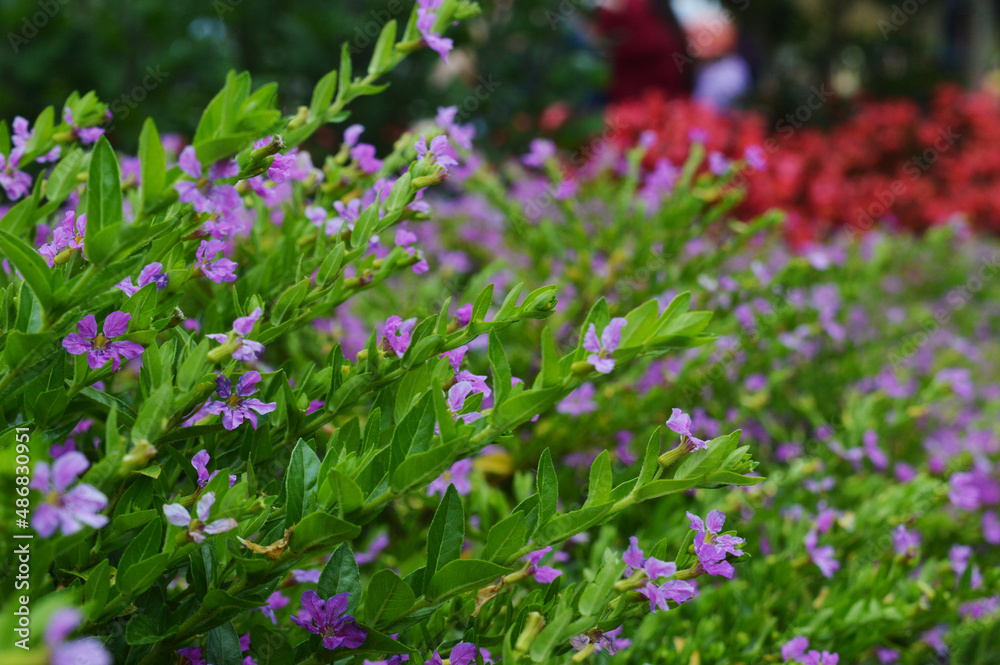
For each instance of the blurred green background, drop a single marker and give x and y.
(533, 53)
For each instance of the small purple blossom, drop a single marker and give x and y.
(436, 151)
(150, 274)
(327, 619)
(205, 196)
(680, 423)
(237, 404)
(541, 574)
(200, 527)
(579, 401)
(98, 346)
(200, 464)
(216, 270)
(69, 234)
(247, 350)
(905, 542)
(397, 333)
(457, 475)
(276, 601)
(426, 18)
(82, 651)
(14, 182)
(821, 556)
(601, 349)
(794, 648)
(540, 151)
(711, 547)
(379, 543)
(68, 511)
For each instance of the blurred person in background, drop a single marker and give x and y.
(648, 48)
(723, 75)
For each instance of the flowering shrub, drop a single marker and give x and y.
(257, 410)
(889, 163)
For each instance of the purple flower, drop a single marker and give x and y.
(327, 618)
(711, 547)
(275, 601)
(193, 655)
(991, 528)
(905, 542)
(426, 17)
(755, 157)
(98, 346)
(579, 401)
(680, 423)
(379, 543)
(542, 574)
(281, 168)
(463, 653)
(457, 475)
(794, 648)
(238, 404)
(456, 397)
(364, 155)
(87, 135)
(959, 557)
(678, 591)
(305, 576)
(601, 349)
(478, 381)
(540, 151)
(216, 270)
(816, 658)
(198, 528)
(68, 511)
(84, 651)
(14, 182)
(352, 134)
(151, 274)
(436, 151)
(69, 234)
(462, 135)
(821, 556)
(200, 464)
(200, 192)
(248, 350)
(886, 656)
(396, 333)
(463, 315)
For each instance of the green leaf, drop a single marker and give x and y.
(663, 487)
(707, 460)
(446, 533)
(384, 48)
(482, 304)
(104, 203)
(97, 590)
(322, 95)
(222, 646)
(341, 490)
(650, 461)
(595, 596)
(599, 488)
(140, 630)
(548, 488)
(461, 576)
(30, 264)
(142, 575)
(63, 179)
(341, 575)
(561, 527)
(152, 164)
(300, 483)
(506, 538)
(422, 468)
(145, 545)
(345, 71)
(149, 421)
(318, 529)
(501, 369)
(387, 598)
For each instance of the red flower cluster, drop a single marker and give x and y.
(890, 163)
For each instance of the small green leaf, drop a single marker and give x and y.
(461, 576)
(446, 533)
(341, 575)
(300, 483)
(387, 598)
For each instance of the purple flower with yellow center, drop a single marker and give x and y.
(397, 333)
(327, 619)
(541, 574)
(205, 196)
(200, 464)
(711, 547)
(247, 350)
(457, 475)
(68, 511)
(83, 651)
(680, 423)
(216, 270)
(70, 234)
(821, 556)
(238, 405)
(98, 346)
(436, 151)
(198, 528)
(151, 274)
(276, 601)
(601, 349)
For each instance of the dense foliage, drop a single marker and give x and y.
(406, 406)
